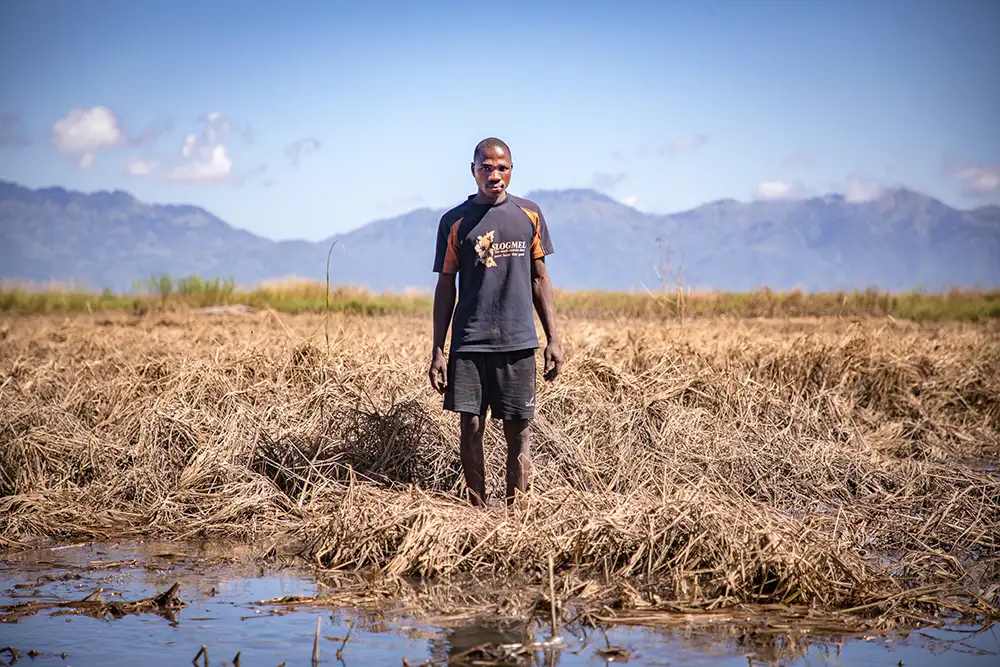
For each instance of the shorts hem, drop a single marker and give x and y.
(504, 416)
(495, 348)
(507, 416)
(464, 409)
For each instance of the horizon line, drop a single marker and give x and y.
(589, 190)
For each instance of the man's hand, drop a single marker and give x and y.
(553, 360)
(438, 372)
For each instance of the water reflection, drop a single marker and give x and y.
(220, 587)
(493, 642)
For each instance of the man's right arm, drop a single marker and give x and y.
(444, 306)
(446, 266)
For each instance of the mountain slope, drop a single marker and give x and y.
(110, 239)
(900, 240)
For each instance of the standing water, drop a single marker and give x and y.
(67, 606)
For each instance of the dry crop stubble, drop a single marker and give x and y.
(721, 462)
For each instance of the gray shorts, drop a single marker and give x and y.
(504, 382)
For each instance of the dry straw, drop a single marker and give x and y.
(817, 463)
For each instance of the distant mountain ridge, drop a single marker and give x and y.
(900, 240)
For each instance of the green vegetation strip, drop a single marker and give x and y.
(165, 293)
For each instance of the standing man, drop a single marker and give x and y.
(496, 244)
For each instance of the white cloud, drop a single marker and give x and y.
(205, 157)
(859, 189)
(777, 189)
(979, 180)
(209, 162)
(138, 166)
(83, 131)
(190, 143)
(633, 202)
(688, 142)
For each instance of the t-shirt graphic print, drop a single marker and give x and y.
(491, 248)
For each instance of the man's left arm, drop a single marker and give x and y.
(541, 296)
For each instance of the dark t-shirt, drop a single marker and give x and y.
(491, 248)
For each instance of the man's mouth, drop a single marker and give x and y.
(495, 186)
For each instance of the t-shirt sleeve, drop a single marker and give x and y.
(446, 252)
(541, 242)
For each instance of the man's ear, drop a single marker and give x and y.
(472, 168)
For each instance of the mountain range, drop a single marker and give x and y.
(900, 240)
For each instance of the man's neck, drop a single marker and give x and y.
(480, 198)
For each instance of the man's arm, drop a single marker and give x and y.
(541, 296)
(444, 306)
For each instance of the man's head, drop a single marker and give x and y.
(491, 167)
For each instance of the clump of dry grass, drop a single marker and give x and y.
(721, 462)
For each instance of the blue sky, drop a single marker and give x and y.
(299, 120)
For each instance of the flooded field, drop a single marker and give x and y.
(807, 492)
(226, 609)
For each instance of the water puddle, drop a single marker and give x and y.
(117, 604)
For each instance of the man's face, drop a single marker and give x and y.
(492, 172)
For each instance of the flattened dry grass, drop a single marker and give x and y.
(838, 466)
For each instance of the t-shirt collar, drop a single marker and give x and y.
(473, 196)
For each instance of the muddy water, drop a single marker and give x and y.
(222, 590)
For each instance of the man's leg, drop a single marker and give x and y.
(466, 395)
(511, 384)
(473, 465)
(517, 432)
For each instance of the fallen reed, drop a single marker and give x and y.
(678, 467)
(166, 604)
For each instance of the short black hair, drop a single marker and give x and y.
(489, 142)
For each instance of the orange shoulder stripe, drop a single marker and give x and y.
(536, 237)
(451, 254)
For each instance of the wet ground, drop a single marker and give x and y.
(222, 591)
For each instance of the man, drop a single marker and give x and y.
(496, 244)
